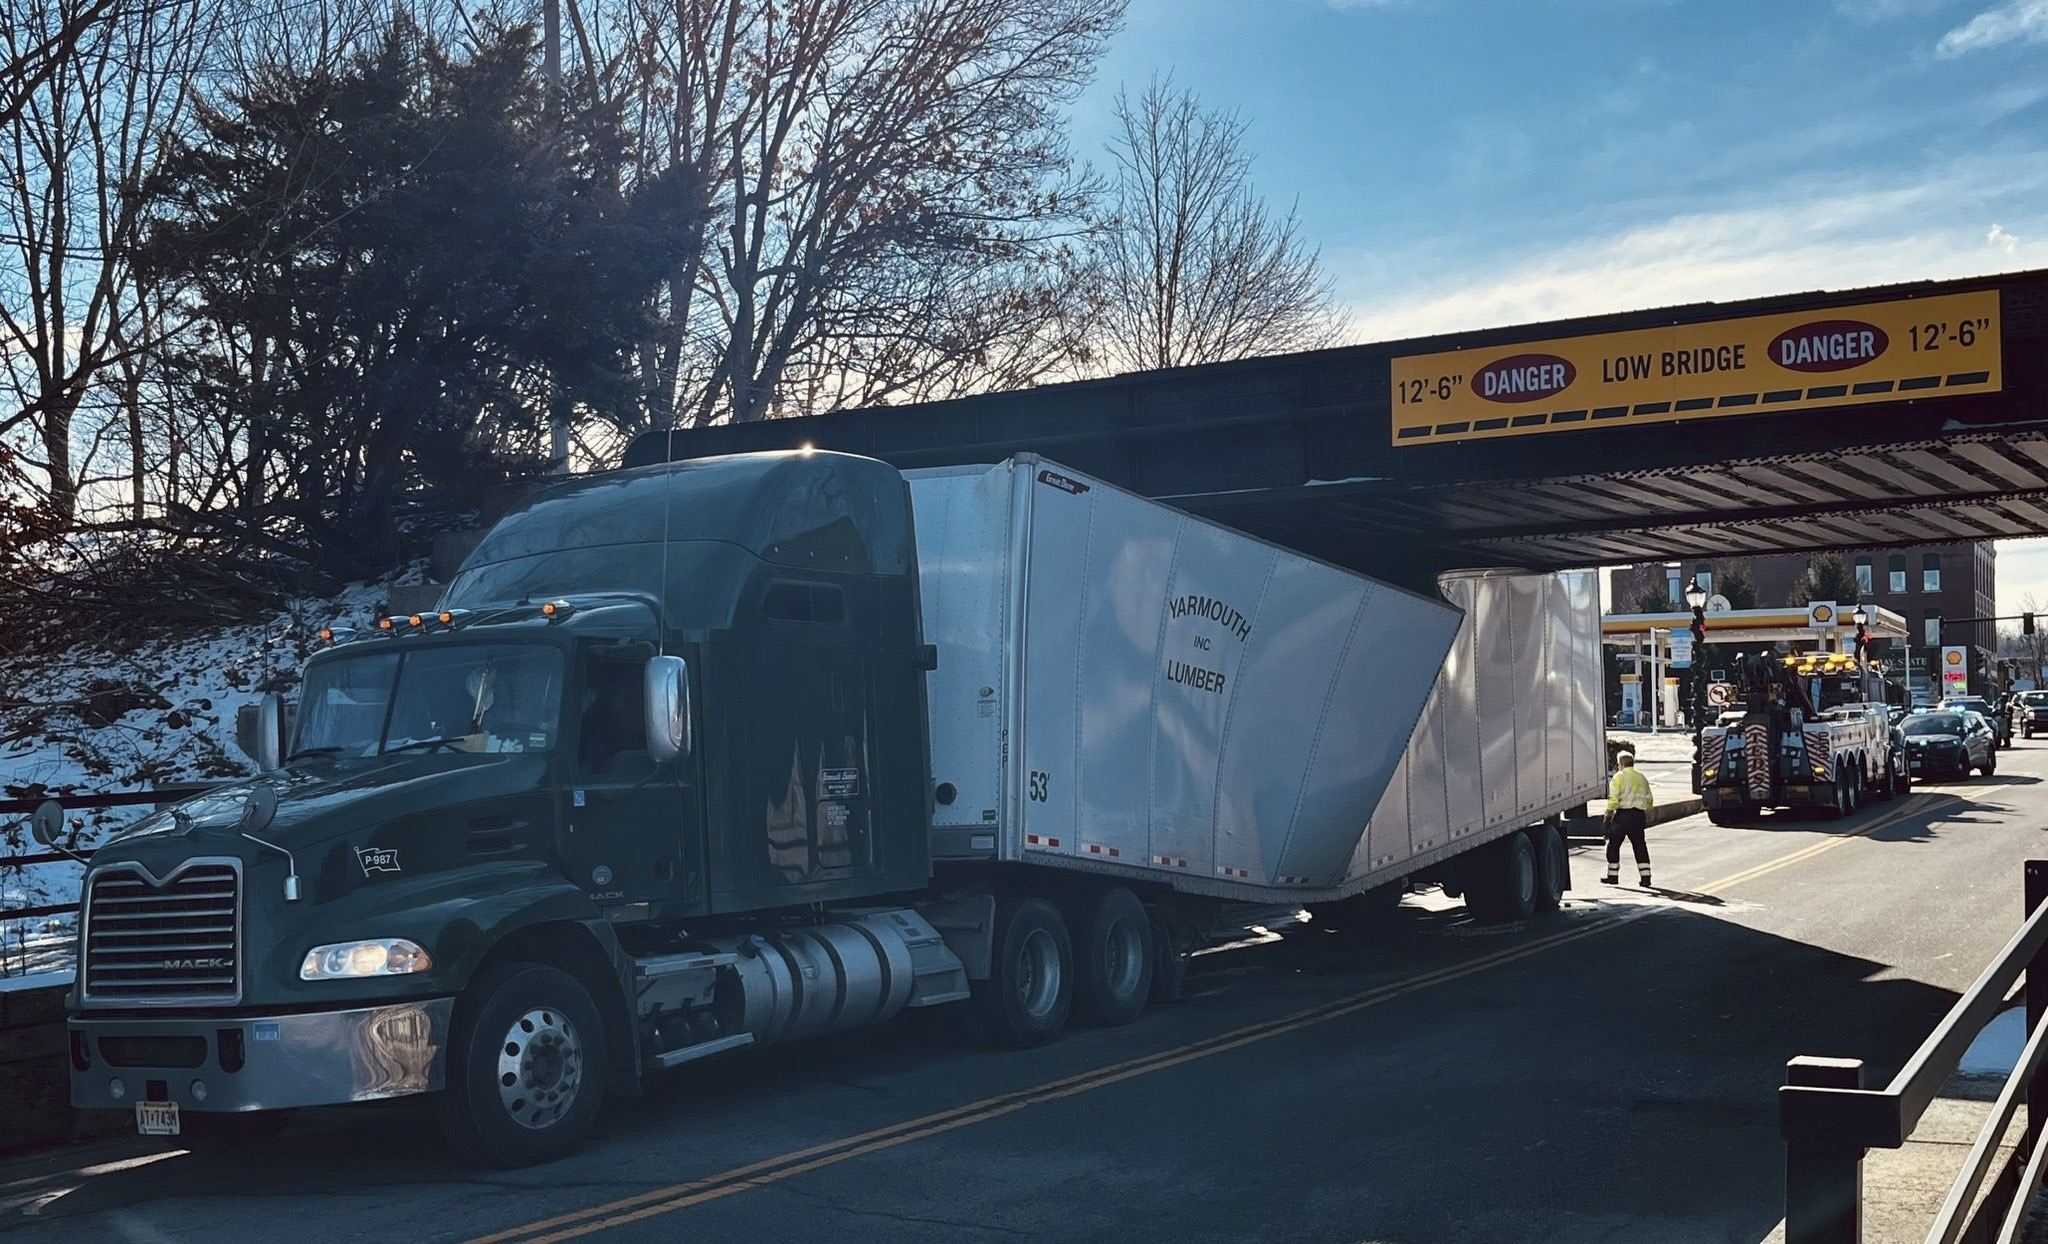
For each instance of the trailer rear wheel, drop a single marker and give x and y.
(1113, 958)
(1553, 867)
(1030, 991)
(1501, 882)
(526, 1066)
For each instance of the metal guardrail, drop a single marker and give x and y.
(1829, 1120)
(108, 799)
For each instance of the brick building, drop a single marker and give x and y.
(1923, 584)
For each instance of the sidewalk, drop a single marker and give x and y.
(1666, 759)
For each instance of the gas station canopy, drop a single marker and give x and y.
(1748, 626)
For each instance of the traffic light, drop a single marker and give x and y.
(2026, 624)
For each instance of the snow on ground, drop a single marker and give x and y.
(136, 719)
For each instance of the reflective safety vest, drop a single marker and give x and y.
(1629, 789)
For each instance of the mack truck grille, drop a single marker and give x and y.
(177, 940)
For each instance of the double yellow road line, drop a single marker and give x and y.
(773, 1170)
(653, 1204)
(1903, 811)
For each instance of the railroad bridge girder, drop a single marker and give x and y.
(1891, 416)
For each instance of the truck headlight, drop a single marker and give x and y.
(377, 956)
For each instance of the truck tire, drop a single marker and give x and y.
(1113, 958)
(526, 1066)
(1026, 1000)
(1553, 867)
(1502, 883)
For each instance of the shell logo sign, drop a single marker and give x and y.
(1820, 615)
(1955, 670)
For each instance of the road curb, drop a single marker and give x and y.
(1595, 828)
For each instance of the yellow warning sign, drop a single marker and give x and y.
(1900, 350)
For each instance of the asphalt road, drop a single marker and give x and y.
(1606, 1074)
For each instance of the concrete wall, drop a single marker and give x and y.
(35, 1077)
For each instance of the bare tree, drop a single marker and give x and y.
(35, 54)
(886, 190)
(1195, 268)
(73, 154)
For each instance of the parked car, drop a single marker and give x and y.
(2001, 725)
(1948, 743)
(2030, 709)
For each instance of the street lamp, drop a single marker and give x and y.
(1696, 600)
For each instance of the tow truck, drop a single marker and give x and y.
(1805, 736)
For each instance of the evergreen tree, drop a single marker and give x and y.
(397, 268)
(1827, 577)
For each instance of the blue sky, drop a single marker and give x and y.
(1466, 163)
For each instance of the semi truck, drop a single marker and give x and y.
(1805, 737)
(711, 754)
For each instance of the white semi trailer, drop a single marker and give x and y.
(723, 752)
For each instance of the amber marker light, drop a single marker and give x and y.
(417, 620)
(446, 618)
(327, 634)
(384, 624)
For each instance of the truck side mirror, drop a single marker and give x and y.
(47, 822)
(259, 731)
(668, 707)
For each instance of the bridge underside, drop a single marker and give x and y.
(1310, 450)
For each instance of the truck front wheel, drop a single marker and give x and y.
(1030, 989)
(526, 1066)
(1113, 958)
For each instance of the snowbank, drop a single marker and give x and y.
(100, 720)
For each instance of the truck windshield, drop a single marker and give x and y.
(471, 698)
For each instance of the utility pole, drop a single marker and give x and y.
(551, 73)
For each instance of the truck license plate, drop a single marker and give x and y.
(156, 1118)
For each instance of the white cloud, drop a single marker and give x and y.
(2017, 20)
(1884, 10)
(1799, 237)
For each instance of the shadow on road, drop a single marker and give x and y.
(1507, 1094)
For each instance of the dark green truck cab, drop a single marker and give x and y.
(492, 820)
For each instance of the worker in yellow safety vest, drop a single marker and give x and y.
(1628, 813)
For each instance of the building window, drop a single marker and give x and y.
(1930, 573)
(1703, 574)
(1896, 572)
(1864, 576)
(1673, 592)
(1932, 628)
